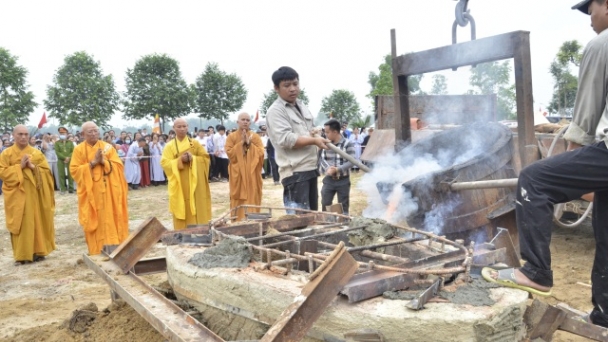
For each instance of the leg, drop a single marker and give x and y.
(599, 273)
(557, 179)
(344, 194)
(70, 179)
(62, 174)
(275, 169)
(313, 193)
(327, 193)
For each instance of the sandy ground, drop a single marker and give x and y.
(37, 301)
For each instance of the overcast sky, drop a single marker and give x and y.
(332, 44)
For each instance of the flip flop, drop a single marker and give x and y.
(506, 278)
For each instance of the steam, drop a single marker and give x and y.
(419, 162)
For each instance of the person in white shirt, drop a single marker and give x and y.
(221, 158)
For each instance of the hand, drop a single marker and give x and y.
(31, 165)
(246, 137)
(315, 132)
(98, 157)
(320, 142)
(186, 157)
(66, 160)
(331, 171)
(573, 146)
(25, 160)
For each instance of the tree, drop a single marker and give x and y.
(342, 104)
(217, 94)
(564, 90)
(493, 78)
(156, 86)
(272, 96)
(382, 82)
(440, 85)
(16, 103)
(361, 122)
(80, 92)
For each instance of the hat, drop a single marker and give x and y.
(583, 6)
(60, 129)
(38, 141)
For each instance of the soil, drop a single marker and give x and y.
(37, 300)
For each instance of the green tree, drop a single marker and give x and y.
(342, 104)
(16, 102)
(272, 96)
(361, 122)
(80, 92)
(217, 93)
(440, 85)
(382, 82)
(493, 78)
(564, 89)
(156, 86)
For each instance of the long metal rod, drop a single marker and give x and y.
(348, 157)
(487, 184)
(274, 244)
(300, 231)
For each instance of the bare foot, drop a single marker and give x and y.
(521, 279)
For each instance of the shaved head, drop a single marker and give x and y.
(180, 126)
(19, 128)
(21, 136)
(88, 125)
(244, 120)
(244, 115)
(90, 132)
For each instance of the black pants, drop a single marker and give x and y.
(274, 169)
(212, 166)
(332, 187)
(222, 167)
(560, 179)
(300, 190)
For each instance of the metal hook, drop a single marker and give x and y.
(463, 18)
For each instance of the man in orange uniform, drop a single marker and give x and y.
(186, 164)
(102, 191)
(246, 153)
(27, 178)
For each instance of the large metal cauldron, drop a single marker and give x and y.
(479, 151)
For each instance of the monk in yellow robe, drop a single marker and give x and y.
(246, 153)
(29, 199)
(102, 191)
(186, 164)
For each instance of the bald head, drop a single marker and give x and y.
(90, 132)
(243, 120)
(180, 126)
(21, 136)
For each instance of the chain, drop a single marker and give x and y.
(463, 18)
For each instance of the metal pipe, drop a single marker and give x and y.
(487, 184)
(348, 157)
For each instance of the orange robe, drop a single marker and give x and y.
(29, 203)
(245, 172)
(188, 183)
(102, 196)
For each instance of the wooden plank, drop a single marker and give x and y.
(543, 320)
(576, 323)
(317, 294)
(524, 100)
(166, 317)
(478, 51)
(138, 244)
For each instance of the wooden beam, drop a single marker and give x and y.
(543, 320)
(474, 52)
(317, 294)
(525, 100)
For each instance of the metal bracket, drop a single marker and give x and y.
(423, 298)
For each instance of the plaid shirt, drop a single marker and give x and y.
(330, 158)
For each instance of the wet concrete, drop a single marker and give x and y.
(376, 231)
(476, 293)
(231, 252)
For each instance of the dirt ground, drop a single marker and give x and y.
(37, 301)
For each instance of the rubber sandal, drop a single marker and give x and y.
(506, 278)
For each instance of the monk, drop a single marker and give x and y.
(102, 191)
(246, 153)
(186, 164)
(29, 200)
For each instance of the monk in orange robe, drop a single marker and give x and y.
(186, 164)
(29, 199)
(246, 153)
(102, 191)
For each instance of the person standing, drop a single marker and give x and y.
(186, 164)
(290, 127)
(144, 164)
(132, 166)
(211, 151)
(64, 149)
(336, 168)
(29, 201)
(156, 151)
(274, 168)
(245, 151)
(357, 141)
(221, 158)
(102, 191)
(48, 148)
(568, 176)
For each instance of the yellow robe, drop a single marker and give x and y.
(188, 183)
(102, 196)
(29, 203)
(245, 172)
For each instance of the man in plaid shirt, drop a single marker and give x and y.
(335, 168)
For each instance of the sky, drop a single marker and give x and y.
(332, 44)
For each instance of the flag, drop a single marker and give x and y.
(42, 120)
(156, 125)
(257, 116)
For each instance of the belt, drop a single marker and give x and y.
(339, 177)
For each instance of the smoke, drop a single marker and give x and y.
(417, 165)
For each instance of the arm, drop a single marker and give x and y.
(281, 132)
(590, 97)
(350, 149)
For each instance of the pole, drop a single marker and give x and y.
(348, 157)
